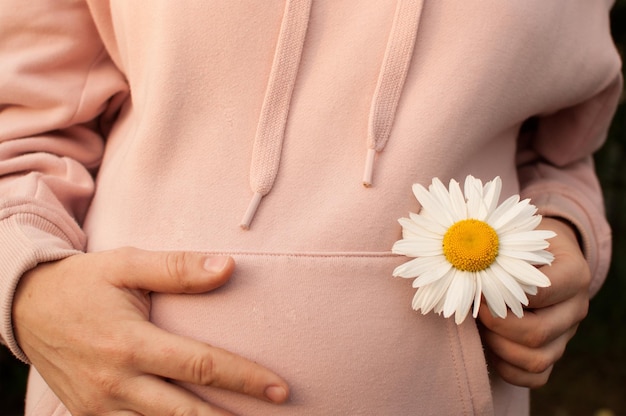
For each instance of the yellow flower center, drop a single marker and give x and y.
(471, 245)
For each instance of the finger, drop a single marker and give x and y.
(534, 360)
(184, 359)
(516, 376)
(569, 273)
(168, 272)
(539, 327)
(149, 395)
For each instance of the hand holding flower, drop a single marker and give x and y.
(523, 351)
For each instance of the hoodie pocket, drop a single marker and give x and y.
(340, 329)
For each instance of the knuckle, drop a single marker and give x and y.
(103, 378)
(176, 266)
(129, 356)
(119, 348)
(184, 411)
(537, 338)
(539, 364)
(203, 370)
(108, 385)
(523, 377)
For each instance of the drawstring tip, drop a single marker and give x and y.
(252, 207)
(369, 168)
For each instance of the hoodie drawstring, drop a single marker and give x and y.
(268, 143)
(391, 79)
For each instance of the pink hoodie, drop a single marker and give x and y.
(196, 114)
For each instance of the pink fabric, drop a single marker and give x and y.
(164, 103)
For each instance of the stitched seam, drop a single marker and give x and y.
(317, 254)
(454, 340)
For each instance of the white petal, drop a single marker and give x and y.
(438, 308)
(412, 228)
(531, 290)
(474, 195)
(525, 212)
(428, 224)
(505, 212)
(521, 224)
(418, 247)
(539, 257)
(434, 206)
(526, 241)
(439, 190)
(531, 235)
(523, 245)
(514, 217)
(460, 296)
(477, 295)
(524, 272)
(548, 257)
(511, 284)
(406, 270)
(457, 201)
(418, 266)
(436, 272)
(492, 195)
(473, 186)
(494, 298)
(427, 297)
(509, 298)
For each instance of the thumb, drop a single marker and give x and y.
(168, 271)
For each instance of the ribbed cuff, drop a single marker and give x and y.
(26, 240)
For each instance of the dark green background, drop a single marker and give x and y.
(592, 375)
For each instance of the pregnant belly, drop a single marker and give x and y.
(340, 330)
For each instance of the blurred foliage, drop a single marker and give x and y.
(591, 377)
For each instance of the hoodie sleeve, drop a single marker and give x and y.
(58, 91)
(556, 170)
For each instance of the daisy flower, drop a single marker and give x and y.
(466, 245)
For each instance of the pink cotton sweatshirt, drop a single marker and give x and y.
(196, 117)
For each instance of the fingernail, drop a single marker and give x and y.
(276, 394)
(215, 264)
